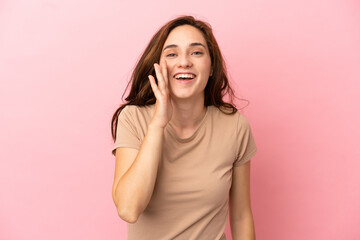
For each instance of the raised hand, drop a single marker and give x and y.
(163, 107)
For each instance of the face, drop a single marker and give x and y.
(188, 62)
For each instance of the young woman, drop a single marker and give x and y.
(182, 152)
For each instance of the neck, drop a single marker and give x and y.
(187, 114)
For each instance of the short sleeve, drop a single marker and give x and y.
(126, 134)
(245, 142)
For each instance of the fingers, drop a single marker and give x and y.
(154, 86)
(160, 78)
(165, 73)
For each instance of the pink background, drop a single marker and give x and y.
(65, 64)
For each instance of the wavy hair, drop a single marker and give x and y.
(141, 93)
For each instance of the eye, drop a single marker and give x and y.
(197, 53)
(171, 55)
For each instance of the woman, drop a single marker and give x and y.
(182, 152)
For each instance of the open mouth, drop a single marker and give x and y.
(184, 77)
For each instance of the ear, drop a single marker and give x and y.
(211, 72)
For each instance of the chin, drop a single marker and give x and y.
(181, 96)
(187, 95)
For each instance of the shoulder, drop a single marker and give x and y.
(225, 116)
(225, 113)
(136, 108)
(137, 116)
(136, 111)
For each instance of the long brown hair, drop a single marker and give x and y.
(141, 93)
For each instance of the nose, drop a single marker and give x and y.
(184, 61)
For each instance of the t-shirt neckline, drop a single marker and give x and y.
(188, 139)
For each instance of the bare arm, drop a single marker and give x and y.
(136, 171)
(241, 219)
(133, 189)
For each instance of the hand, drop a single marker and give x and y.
(163, 107)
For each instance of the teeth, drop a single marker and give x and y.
(184, 76)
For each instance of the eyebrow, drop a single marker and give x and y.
(191, 44)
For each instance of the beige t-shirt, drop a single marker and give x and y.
(191, 194)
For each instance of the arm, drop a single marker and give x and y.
(135, 172)
(135, 175)
(241, 219)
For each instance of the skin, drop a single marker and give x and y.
(183, 107)
(184, 103)
(241, 218)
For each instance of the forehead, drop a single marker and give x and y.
(184, 35)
